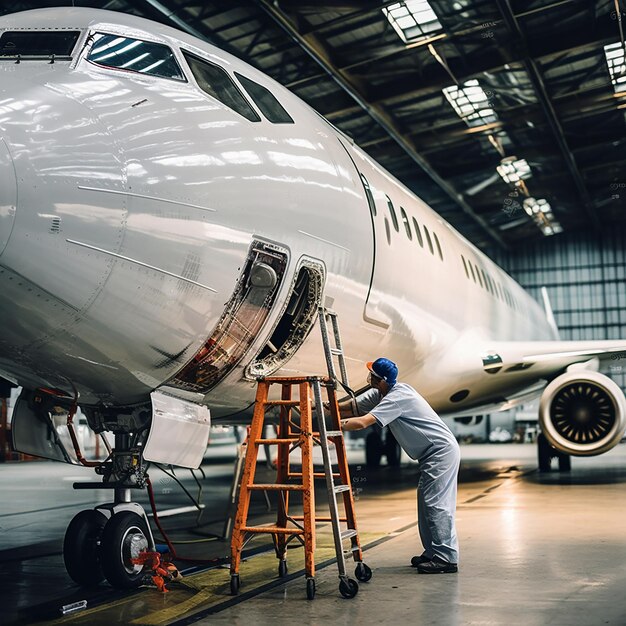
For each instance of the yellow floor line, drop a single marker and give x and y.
(203, 590)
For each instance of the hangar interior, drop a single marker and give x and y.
(508, 118)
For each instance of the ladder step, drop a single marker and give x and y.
(334, 433)
(315, 475)
(351, 550)
(336, 351)
(318, 518)
(342, 488)
(347, 534)
(282, 403)
(275, 487)
(274, 530)
(270, 442)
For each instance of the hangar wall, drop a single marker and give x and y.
(585, 275)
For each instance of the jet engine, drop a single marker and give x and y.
(583, 413)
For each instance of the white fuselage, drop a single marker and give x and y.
(136, 200)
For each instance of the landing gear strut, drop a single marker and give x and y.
(545, 454)
(107, 541)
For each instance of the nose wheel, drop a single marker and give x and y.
(124, 538)
(96, 548)
(81, 548)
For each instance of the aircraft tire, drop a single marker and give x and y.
(124, 537)
(544, 453)
(80, 548)
(565, 462)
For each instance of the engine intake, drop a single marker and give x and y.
(583, 413)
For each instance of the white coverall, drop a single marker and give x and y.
(424, 437)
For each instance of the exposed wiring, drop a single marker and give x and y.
(170, 544)
(199, 496)
(180, 484)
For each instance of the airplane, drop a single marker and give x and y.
(170, 221)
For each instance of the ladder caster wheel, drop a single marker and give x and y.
(282, 568)
(234, 584)
(363, 572)
(310, 588)
(348, 588)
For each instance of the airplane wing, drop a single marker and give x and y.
(518, 371)
(550, 357)
(581, 412)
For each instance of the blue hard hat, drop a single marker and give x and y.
(385, 369)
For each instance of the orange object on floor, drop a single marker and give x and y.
(162, 571)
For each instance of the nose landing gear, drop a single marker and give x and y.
(102, 543)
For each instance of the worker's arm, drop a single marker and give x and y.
(358, 423)
(346, 409)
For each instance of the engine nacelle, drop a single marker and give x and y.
(583, 413)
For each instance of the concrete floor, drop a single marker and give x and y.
(535, 549)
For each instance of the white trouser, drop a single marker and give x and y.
(436, 503)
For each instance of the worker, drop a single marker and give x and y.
(423, 436)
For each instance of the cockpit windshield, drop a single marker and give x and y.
(37, 43)
(135, 55)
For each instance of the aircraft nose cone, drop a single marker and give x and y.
(8, 194)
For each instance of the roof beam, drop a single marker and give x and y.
(317, 51)
(431, 79)
(544, 99)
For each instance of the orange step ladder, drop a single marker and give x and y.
(300, 435)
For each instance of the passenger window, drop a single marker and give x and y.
(438, 246)
(134, 55)
(486, 279)
(407, 226)
(387, 231)
(38, 43)
(394, 217)
(429, 241)
(418, 233)
(465, 266)
(265, 100)
(368, 194)
(480, 280)
(217, 83)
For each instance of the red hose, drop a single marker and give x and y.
(170, 545)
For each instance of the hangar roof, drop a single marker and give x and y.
(441, 91)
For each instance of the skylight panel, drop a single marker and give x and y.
(617, 65)
(412, 19)
(471, 103)
(512, 170)
(541, 212)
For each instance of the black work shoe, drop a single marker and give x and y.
(437, 566)
(418, 560)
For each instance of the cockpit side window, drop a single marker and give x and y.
(36, 43)
(215, 81)
(135, 55)
(265, 100)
